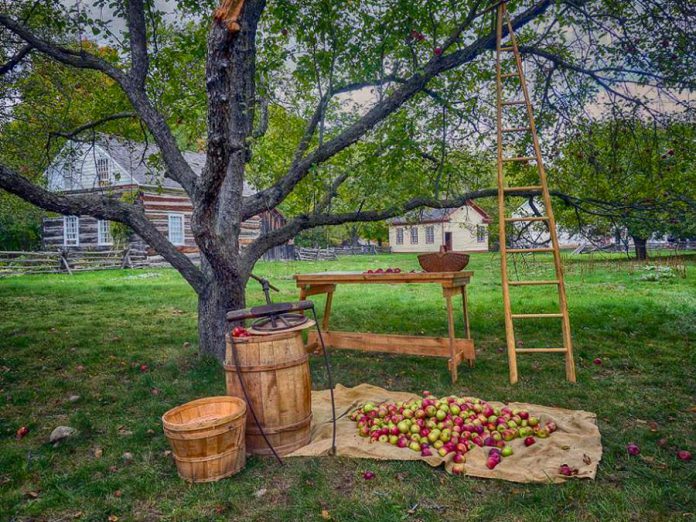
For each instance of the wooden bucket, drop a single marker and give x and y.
(276, 374)
(207, 437)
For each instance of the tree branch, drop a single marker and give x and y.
(15, 60)
(272, 196)
(96, 123)
(103, 207)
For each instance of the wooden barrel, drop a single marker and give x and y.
(276, 374)
(207, 437)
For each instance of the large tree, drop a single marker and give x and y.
(420, 71)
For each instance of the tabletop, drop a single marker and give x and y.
(444, 278)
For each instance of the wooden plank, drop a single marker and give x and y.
(308, 290)
(445, 278)
(541, 350)
(395, 344)
(450, 329)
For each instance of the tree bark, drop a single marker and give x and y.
(641, 246)
(214, 301)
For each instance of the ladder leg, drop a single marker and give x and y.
(509, 332)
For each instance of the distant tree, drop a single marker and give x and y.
(631, 174)
(423, 70)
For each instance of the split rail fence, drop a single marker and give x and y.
(66, 261)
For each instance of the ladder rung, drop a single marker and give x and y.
(534, 316)
(506, 49)
(523, 189)
(541, 350)
(526, 218)
(534, 283)
(514, 102)
(523, 250)
(509, 75)
(520, 158)
(517, 129)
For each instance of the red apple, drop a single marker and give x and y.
(22, 432)
(684, 455)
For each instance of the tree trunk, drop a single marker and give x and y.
(213, 304)
(641, 246)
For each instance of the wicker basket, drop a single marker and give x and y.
(443, 261)
(207, 437)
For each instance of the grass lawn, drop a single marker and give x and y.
(87, 335)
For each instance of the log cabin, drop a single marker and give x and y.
(134, 171)
(463, 229)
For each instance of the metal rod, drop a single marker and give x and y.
(328, 373)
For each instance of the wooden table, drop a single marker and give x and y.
(453, 348)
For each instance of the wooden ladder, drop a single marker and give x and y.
(503, 191)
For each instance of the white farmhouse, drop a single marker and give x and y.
(462, 229)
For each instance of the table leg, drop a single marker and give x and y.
(450, 325)
(327, 311)
(465, 310)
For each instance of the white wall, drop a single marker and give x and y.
(462, 225)
(421, 246)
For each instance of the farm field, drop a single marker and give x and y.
(71, 350)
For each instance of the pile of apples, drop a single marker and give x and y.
(449, 425)
(384, 271)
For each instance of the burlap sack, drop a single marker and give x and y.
(577, 441)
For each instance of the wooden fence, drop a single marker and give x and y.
(67, 261)
(332, 253)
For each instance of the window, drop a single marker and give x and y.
(430, 234)
(399, 236)
(414, 235)
(71, 230)
(176, 229)
(104, 233)
(481, 233)
(102, 167)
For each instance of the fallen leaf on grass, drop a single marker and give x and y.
(653, 426)
(32, 494)
(692, 409)
(98, 452)
(112, 518)
(325, 514)
(653, 462)
(260, 493)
